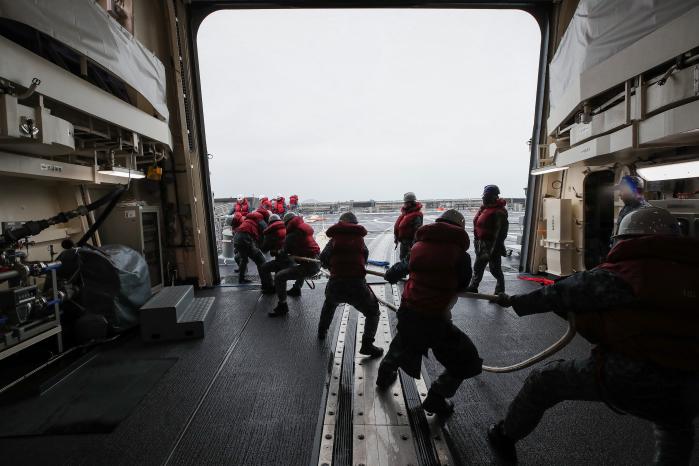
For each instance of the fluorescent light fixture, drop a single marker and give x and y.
(671, 171)
(122, 172)
(547, 169)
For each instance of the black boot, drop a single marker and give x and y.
(500, 288)
(501, 443)
(282, 309)
(322, 332)
(438, 405)
(368, 349)
(385, 378)
(294, 291)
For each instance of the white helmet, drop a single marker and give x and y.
(648, 221)
(239, 197)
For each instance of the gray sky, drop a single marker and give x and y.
(368, 104)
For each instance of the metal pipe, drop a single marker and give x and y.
(4, 276)
(30, 90)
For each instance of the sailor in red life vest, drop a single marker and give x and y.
(273, 236)
(293, 202)
(241, 205)
(236, 220)
(246, 240)
(264, 212)
(490, 227)
(641, 307)
(265, 203)
(278, 205)
(439, 268)
(345, 256)
(407, 224)
(299, 242)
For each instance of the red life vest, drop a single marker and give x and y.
(663, 325)
(277, 231)
(278, 206)
(404, 229)
(264, 212)
(484, 221)
(293, 201)
(251, 225)
(306, 245)
(347, 259)
(242, 207)
(265, 204)
(237, 220)
(433, 281)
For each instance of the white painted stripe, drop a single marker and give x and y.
(327, 440)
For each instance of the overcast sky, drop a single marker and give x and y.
(368, 104)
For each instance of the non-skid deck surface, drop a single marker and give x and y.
(259, 407)
(94, 398)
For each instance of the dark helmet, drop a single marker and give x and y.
(288, 216)
(349, 217)
(491, 190)
(454, 217)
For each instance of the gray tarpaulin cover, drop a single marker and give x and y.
(87, 28)
(601, 28)
(112, 280)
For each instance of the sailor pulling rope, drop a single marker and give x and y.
(550, 351)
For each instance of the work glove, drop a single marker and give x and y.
(393, 275)
(503, 300)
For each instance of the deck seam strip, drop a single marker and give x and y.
(209, 386)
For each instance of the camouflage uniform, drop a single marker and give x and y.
(669, 398)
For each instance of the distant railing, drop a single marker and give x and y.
(468, 206)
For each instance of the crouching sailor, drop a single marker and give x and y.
(439, 267)
(641, 308)
(299, 241)
(246, 241)
(345, 256)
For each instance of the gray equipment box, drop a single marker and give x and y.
(138, 227)
(174, 314)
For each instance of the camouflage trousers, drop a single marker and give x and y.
(667, 398)
(355, 292)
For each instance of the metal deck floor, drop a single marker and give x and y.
(248, 393)
(252, 391)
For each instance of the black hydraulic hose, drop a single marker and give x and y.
(113, 198)
(34, 227)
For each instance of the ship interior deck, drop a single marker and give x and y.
(255, 391)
